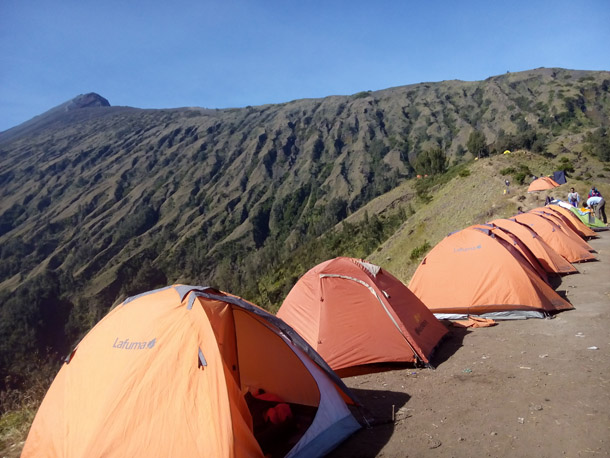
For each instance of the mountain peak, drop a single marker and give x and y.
(90, 100)
(87, 100)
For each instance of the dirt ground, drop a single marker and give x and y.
(538, 387)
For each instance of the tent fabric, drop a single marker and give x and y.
(518, 245)
(558, 224)
(559, 177)
(562, 243)
(496, 316)
(156, 377)
(488, 276)
(354, 317)
(587, 216)
(564, 226)
(551, 261)
(474, 322)
(542, 184)
(572, 221)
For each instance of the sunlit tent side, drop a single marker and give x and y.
(551, 261)
(574, 215)
(570, 220)
(566, 246)
(563, 226)
(542, 184)
(485, 276)
(356, 314)
(171, 373)
(518, 245)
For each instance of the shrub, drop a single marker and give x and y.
(422, 190)
(519, 177)
(361, 95)
(566, 166)
(518, 174)
(477, 144)
(419, 251)
(431, 162)
(598, 144)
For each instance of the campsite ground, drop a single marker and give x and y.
(521, 388)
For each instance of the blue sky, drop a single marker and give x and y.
(234, 53)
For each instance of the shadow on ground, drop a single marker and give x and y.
(555, 281)
(379, 407)
(384, 409)
(450, 344)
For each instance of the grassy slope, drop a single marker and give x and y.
(473, 199)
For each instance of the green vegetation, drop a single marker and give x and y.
(477, 144)
(566, 166)
(420, 251)
(424, 186)
(361, 94)
(273, 281)
(422, 190)
(32, 319)
(19, 403)
(526, 138)
(431, 162)
(598, 144)
(14, 425)
(518, 173)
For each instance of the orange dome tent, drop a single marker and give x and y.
(167, 373)
(355, 313)
(570, 219)
(488, 277)
(551, 261)
(570, 248)
(542, 184)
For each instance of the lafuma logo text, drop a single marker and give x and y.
(468, 248)
(127, 345)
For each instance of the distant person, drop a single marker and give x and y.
(573, 198)
(598, 204)
(507, 190)
(520, 210)
(548, 200)
(594, 192)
